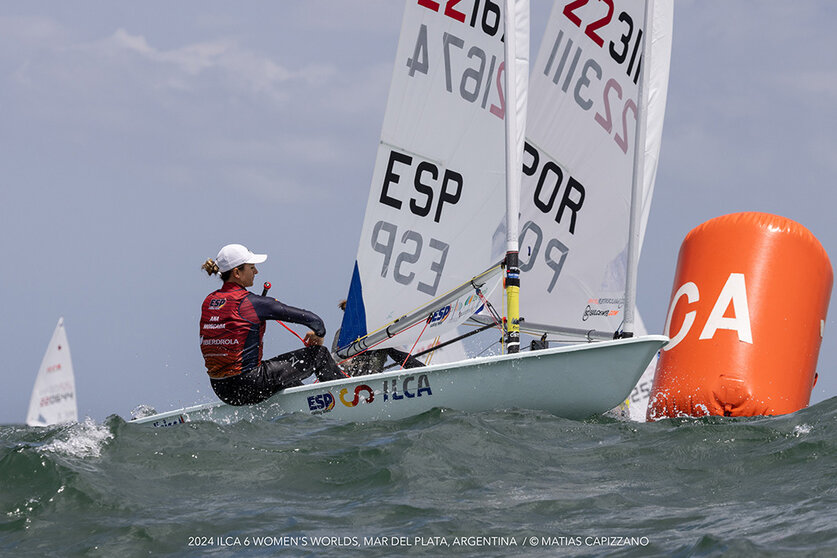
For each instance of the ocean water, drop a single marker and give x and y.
(513, 483)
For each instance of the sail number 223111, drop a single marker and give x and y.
(586, 74)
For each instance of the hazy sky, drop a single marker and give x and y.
(136, 138)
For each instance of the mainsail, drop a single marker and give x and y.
(438, 195)
(597, 90)
(54, 395)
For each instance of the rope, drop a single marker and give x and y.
(266, 288)
(488, 347)
(280, 322)
(426, 323)
(471, 281)
(494, 315)
(381, 341)
(292, 331)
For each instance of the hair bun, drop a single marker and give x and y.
(210, 267)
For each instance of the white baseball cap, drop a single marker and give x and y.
(233, 255)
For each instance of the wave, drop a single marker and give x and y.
(704, 486)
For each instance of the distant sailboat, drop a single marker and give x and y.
(54, 395)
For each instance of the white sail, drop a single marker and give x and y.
(438, 189)
(54, 395)
(587, 113)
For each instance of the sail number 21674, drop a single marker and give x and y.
(469, 71)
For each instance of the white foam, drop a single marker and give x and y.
(83, 439)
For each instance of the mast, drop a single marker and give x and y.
(637, 181)
(516, 81)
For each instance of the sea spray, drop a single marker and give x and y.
(83, 439)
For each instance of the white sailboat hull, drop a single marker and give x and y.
(575, 382)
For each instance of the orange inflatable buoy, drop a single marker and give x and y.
(746, 320)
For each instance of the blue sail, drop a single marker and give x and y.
(354, 317)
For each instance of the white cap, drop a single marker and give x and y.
(233, 255)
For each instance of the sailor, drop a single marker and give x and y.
(232, 328)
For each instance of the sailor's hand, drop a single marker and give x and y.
(311, 338)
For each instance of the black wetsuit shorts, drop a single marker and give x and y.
(284, 371)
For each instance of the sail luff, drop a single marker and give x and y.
(637, 180)
(516, 86)
(516, 82)
(661, 37)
